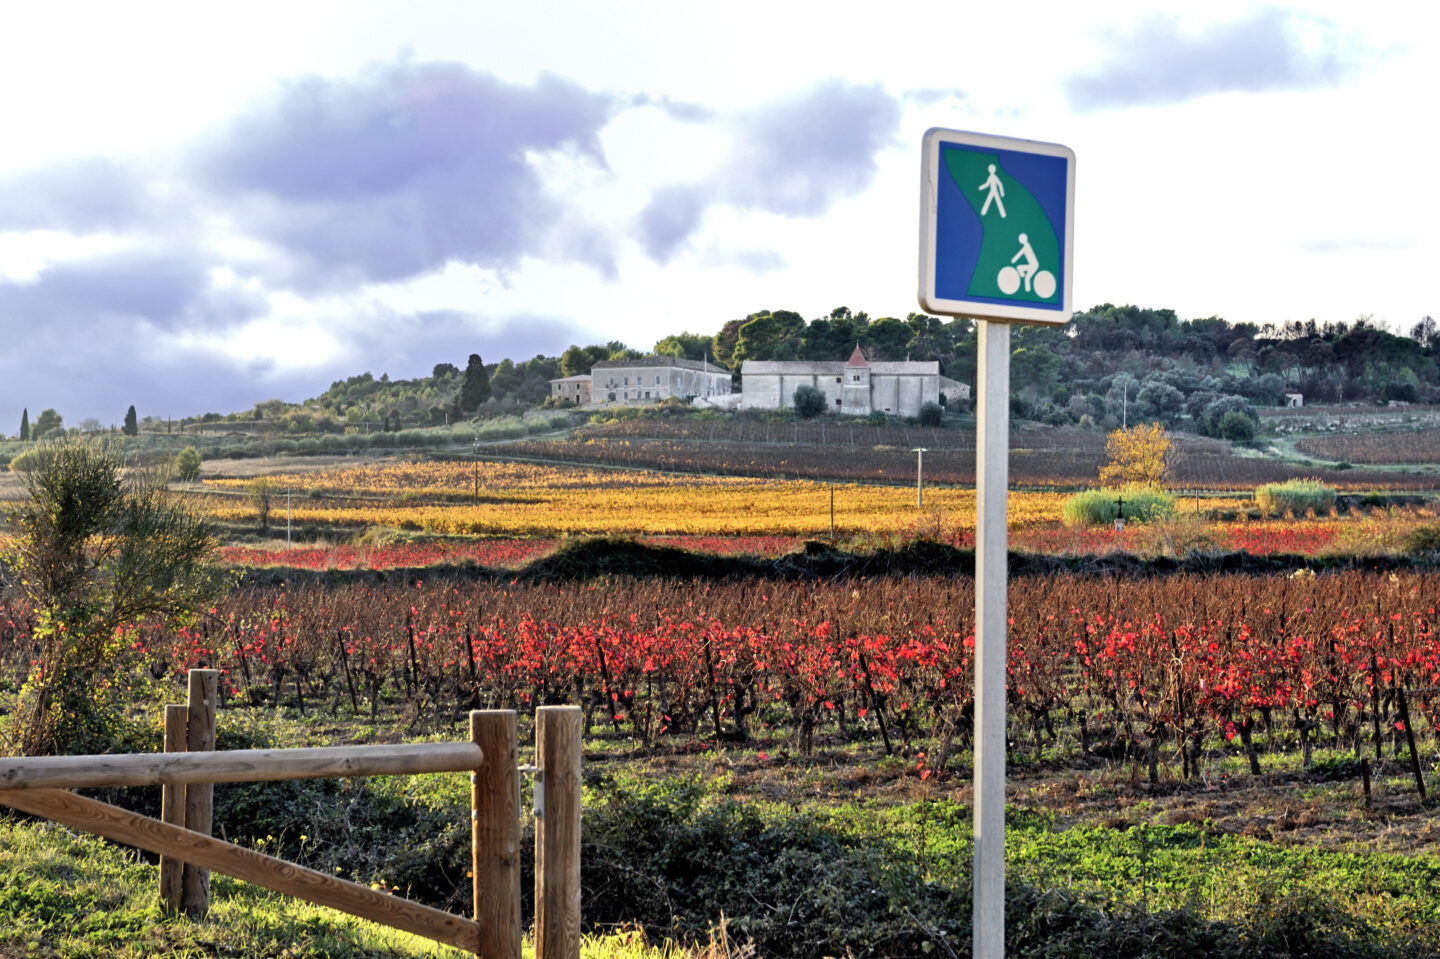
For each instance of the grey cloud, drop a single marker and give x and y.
(753, 260)
(404, 170)
(794, 157)
(412, 344)
(86, 195)
(99, 369)
(682, 110)
(798, 156)
(931, 96)
(167, 287)
(1159, 62)
(667, 221)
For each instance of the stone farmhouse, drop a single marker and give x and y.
(644, 381)
(856, 387)
(574, 390)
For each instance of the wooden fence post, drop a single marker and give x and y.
(557, 833)
(495, 833)
(195, 898)
(172, 808)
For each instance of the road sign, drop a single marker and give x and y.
(997, 221)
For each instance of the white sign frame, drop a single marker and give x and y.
(932, 169)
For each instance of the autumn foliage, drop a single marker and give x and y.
(1138, 456)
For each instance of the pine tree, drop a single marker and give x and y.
(25, 425)
(132, 428)
(476, 388)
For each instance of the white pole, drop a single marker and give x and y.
(992, 476)
(919, 452)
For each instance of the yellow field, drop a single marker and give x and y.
(529, 500)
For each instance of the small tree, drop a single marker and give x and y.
(46, 423)
(809, 401)
(1138, 455)
(476, 387)
(931, 414)
(98, 551)
(1236, 427)
(132, 426)
(25, 425)
(262, 496)
(187, 464)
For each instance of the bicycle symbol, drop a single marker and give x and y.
(1037, 281)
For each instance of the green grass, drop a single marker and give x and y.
(69, 894)
(806, 855)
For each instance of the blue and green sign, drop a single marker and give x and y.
(996, 225)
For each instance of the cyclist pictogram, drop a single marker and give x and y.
(1037, 281)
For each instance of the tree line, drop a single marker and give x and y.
(1108, 364)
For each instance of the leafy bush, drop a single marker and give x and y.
(1214, 413)
(1295, 497)
(1422, 541)
(187, 464)
(29, 460)
(1236, 427)
(809, 401)
(930, 414)
(1099, 507)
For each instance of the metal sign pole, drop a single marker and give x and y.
(992, 480)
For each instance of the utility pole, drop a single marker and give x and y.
(476, 463)
(919, 452)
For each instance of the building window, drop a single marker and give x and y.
(657, 380)
(837, 379)
(627, 381)
(837, 401)
(854, 377)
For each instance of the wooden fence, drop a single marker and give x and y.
(190, 766)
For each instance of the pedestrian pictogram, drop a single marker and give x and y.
(995, 227)
(994, 193)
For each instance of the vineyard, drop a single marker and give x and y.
(863, 453)
(522, 511)
(804, 688)
(1407, 447)
(1178, 670)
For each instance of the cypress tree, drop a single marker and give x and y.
(132, 428)
(25, 425)
(476, 388)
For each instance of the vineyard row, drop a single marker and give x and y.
(1350, 660)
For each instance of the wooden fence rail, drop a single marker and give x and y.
(37, 786)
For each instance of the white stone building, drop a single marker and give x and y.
(651, 379)
(856, 387)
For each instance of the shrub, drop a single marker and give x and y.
(930, 414)
(29, 460)
(187, 464)
(1296, 497)
(1422, 541)
(1099, 507)
(1215, 412)
(1236, 427)
(809, 401)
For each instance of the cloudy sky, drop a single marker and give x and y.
(202, 209)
